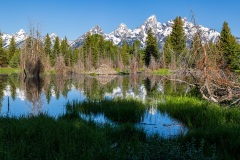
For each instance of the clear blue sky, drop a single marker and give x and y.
(72, 18)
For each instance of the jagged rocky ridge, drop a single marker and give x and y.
(161, 30)
(20, 38)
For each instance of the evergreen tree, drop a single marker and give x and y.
(3, 55)
(56, 51)
(167, 52)
(151, 48)
(70, 56)
(47, 48)
(86, 51)
(136, 47)
(229, 46)
(94, 40)
(75, 56)
(124, 52)
(177, 36)
(65, 51)
(15, 60)
(12, 49)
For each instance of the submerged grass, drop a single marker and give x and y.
(70, 137)
(120, 111)
(207, 121)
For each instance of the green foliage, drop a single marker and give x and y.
(75, 56)
(161, 72)
(229, 47)
(56, 51)
(66, 52)
(124, 52)
(70, 137)
(48, 49)
(12, 49)
(138, 53)
(3, 54)
(95, 49)
(86, 50)
(211, 122)
(15, 61)
(9, 70)
(177, 36)
(167, 51)
(151, 48)
(120, 111)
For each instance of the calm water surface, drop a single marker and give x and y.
(50, 94)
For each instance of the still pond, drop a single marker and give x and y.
(50, 94)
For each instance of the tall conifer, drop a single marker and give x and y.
(47, 49)
(167, 52)
(65, 51)
(124, 52)
(3, 56)
(178, 38)
(11, 49)
(228, 46)
(56, 50)
(151, 48)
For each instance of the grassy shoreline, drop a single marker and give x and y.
(206, 121)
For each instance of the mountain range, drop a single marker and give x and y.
(122, 32)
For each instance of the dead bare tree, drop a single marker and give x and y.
(214, 83)
(32, 53)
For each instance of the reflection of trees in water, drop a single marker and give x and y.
(93, 87)
(33, 90)
(3, 84)
(13, 82)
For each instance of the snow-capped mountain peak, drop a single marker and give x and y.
(152, 23)
(80, 41)
(121, 30)
(19, 37)
(21, 32)
(96, 30)
(122, 27)
(152, 18)
(53, 35)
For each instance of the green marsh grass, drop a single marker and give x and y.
(210, 122)
(9, 70)
(161, 72)
(70, 137)
(121, 111)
